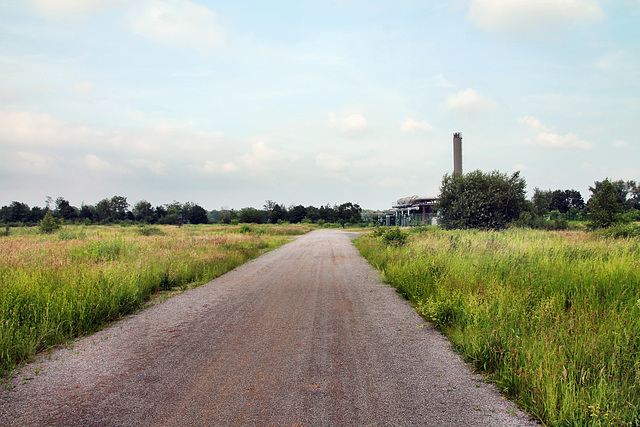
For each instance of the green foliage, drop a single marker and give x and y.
(552, 318)
(605, 206)
(49, 224)
(55, 290)
(6, 231)
(621, 230)
(149, 231)
(479, 200)
(391, 236)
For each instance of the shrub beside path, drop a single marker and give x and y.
(304, 335)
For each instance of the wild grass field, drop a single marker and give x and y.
(59, 286)
(553, 318)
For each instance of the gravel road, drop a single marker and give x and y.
(306, 335)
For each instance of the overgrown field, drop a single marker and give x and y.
(552, 317)
(56, 287)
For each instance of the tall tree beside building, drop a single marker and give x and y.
(481, 200)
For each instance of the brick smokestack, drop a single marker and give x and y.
(457, 153)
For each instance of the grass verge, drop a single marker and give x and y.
(56, 287)
(553, 318)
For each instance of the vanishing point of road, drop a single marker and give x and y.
(306, 335)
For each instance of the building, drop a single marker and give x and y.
(414, 210)
(410, 211)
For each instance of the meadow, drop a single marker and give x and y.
(55, 287)
(552, 318)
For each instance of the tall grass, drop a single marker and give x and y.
(552, 317)
(56, 287)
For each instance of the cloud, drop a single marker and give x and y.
(351, 125)
(547, 139)
(570, 140)
(621, 144)
(411, 125)
(531, 17)
(469, 101)
(331, 162)
(23, 127)
(96, 164)
(65, 9)
(156, 167)
(533, 123)
(178, 23)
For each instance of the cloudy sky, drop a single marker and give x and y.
(232, 103)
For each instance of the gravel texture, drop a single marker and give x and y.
(306, 335)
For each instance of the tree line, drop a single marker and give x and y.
(495, 200)
(117, 210)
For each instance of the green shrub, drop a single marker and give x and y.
(395, 237)
(149, 231)
(49, 224)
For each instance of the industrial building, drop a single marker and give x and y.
(416, 210)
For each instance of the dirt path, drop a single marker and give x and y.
(304, 335)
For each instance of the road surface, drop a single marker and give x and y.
(306, 335)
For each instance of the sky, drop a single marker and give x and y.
(314, 102)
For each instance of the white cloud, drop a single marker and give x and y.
(352, 124)
(23, 127)
(548, 139)
(469, 101)
(531, 17)
(621, 144)
(156, 167)
(533, 123)
(179, 23)
(65, 9)
(570, 140)
(411, 125)
(96, 164)
(331, 162)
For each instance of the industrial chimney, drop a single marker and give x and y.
(457, 153)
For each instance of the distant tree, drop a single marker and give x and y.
(87, 212)
(605, 205)
(37, 214)
(541, 201)
(64, 209)
(350, 212)
(564, 200)
(251, 215)
(313, 213)
(16, 212)
(479, 200)
(278, 213)
(119, 207)
(196, 214)
(143, 212)
(227, 215)
(296, 214)
(104, 211)
(49, 223)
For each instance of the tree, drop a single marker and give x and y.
(49, 223)
(350, 212)
(479, 200)
(143, 211)
(296, 214)
(278, 213)
(196, 214)
(119, 207)
(64, 209)
(605, 207)
(541, 201)
(104, 211)
(251, 215)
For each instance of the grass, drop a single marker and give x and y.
(553, 318)
(56, 287)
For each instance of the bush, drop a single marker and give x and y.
(150, 231)
(49, 224)
(395, 237)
